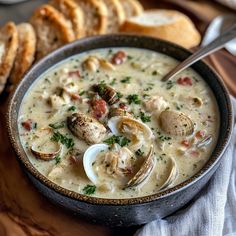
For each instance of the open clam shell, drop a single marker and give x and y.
(89, 157)
(46, 155)
(136, 131)
(175, 123)
(144, 171)
(204, 142)
(173, 173)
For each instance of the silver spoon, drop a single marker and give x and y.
(215, 45)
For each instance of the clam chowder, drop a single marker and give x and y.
(102, 123)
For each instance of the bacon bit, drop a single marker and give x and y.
(76, 73)
(27, 125)
(185, 143)
(201, 134)
(99, 108)
(118, 58)
(185, 81)
(195, 153)
(123, 106)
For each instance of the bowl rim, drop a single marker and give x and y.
(22, 157)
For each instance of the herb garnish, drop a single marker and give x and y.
(154, 72)
(129, 57)
(58, 125)
(145, 118)
(122, 141)
(113, 82)
(63, 139)
(169, 84)
(102, 87)
(89, 189)
(139, 152)
(133, 98)
(119, 95)
(72, 108)
(126, 79)
(58, 159)
(82, 93)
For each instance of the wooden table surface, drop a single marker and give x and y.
(23, 211)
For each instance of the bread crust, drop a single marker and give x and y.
(73, 13)
(26, 52)
(131, 8)
(96, 14)
(116, 15)
(182, 31)
(9, 45)
(52, 30)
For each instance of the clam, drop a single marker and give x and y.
(55, 149)
(89, 158)
(118, 112)
(86, 127)
(173, 173)
(107, 93)
(175, 123)
(204, 142)
(137, 132)
(91, 64)
(197, 102)
(144, 171)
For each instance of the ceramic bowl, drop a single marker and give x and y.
(133, 211)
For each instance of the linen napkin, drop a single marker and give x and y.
(212, 212)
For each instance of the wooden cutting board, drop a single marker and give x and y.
(23, 211)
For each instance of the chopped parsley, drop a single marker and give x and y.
(63, 139)
(82, 93)
(154, 72)
(72, 108)
(133, 98)
(102, 87)
(89, 189)
(164, 138)
(129, 57)
(113, 82)
(139, 152)
(178, 107)
(58, 125)
(119, 95)
(126, 79)
(145, 118)
(169, 84)
(122, 141)
(58, 159)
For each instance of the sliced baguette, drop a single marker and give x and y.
(52, 30)
(131, 7)
(25, 53)
(8, 50)
(96, 16)
(73, 13)
(164, 24)
(116, 15)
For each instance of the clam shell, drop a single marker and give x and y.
(176, 124)
(86, 128)
(144, 171)
(89, 157)
(204, 142)
(173, 173)
(118, 112)
(108, 93)
(46, 156)
(136, 131)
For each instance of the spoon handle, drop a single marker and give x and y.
(215, 45)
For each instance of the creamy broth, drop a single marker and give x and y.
(78, 84)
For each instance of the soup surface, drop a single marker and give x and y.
(102, 123)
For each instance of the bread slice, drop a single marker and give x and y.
(164, 24)
(73, 13)
(25, 53)
(52, 30)
(116, 15)
(131, 7)
(96, 16)
(8, 49)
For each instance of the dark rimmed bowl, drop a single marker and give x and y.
(125, 212)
